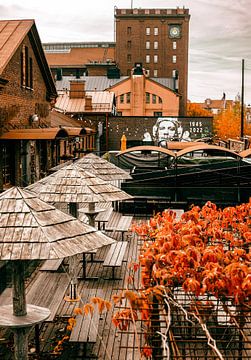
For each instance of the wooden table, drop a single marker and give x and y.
(103, 218)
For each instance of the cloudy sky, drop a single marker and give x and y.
(220, 35)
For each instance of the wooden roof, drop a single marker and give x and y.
(32, 229)
(35, 134)
(102, 168)
(72, 184)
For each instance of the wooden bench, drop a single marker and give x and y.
(114, 257)
(51, 265)
(85, 330)
(124, 224)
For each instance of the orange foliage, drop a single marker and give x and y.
(227, 124)
(194, 109)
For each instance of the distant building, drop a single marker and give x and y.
(79, 58)
(215, 106)
(76, 101)
(157, 38)
(136, 95)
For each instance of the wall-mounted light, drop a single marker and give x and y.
(34, 118)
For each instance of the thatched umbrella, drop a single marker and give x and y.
(73, 185)
(32, 229)
(103, 168)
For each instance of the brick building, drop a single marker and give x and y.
(31, 138)
(157, 38)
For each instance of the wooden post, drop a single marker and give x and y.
(73, 209)
(19, 301)
(19, 309)
(92, 218)
(21, 343)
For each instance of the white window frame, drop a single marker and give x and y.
(174, 59)
(156, 45)
(148, 59)
(155, 73)
(148, 31)
(174, 45)
(155, 59)
(156, 31)
(147, 45)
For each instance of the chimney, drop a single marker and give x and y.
(77, 89)
(88, 102)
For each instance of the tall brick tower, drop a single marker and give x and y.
(157, 38)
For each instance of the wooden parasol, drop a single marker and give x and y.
(32, 229)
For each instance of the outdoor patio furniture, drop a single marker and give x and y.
(114, 257)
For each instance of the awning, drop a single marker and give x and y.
(35, 134)
(78, 131)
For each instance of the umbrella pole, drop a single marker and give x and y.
(92, 216)
(19, 309)
(73, 261)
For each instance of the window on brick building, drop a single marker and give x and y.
(174, 59)
(147, 98)
(155, 72)
(160, 100)
(129, 44)
(155, 59)
(121, 99)
(129, 58)
(156, 31)
(147, 45)
(157, 113)
(148, 31)
(174, 45)
(128, 98)
(147, 59)
(156, 45)
(154, 99)
(26, 68)
(129, 30)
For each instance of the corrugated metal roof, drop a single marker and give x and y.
(102, 102)
(99, 83)
(167, 82)
(80, 56)
(12, 32)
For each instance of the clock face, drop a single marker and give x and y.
(174, 31)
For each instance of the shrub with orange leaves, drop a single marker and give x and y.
(205, 252)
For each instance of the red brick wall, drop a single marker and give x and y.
(165, 51)
(24, 99)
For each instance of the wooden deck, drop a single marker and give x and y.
(111, 343)
(108, 345)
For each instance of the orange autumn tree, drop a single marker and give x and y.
(227, 124)
(205, 253)
(194, 109)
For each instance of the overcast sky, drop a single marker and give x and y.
(220, 35)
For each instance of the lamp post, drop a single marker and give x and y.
(242, 99)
